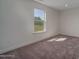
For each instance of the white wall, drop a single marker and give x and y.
(69, 22)
(0, 25)
(17, 23)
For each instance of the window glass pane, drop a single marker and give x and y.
(38, 26)
(39, 20)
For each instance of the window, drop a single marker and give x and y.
(39, 20)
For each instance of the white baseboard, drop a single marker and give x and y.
(12, 48)
(17, 46)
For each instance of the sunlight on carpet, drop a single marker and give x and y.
(57, 39)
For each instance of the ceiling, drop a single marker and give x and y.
(60, 4)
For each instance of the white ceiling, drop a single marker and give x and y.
(60, 4)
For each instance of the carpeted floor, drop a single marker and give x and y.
(58, 47)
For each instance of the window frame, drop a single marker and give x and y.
(44, 30)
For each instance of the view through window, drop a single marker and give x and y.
(39, 20)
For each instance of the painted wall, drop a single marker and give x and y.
(69, 22)
(17, 23)
(1, 25)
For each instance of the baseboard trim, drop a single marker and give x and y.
(23, 44)
(11, 48)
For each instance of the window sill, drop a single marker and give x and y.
(39, 32)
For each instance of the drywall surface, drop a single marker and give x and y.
(1, 25)
(17, 19)
(69, 22)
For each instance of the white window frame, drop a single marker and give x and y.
(44, 30)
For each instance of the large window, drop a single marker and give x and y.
(39, 20)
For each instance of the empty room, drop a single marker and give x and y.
(39, 29)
